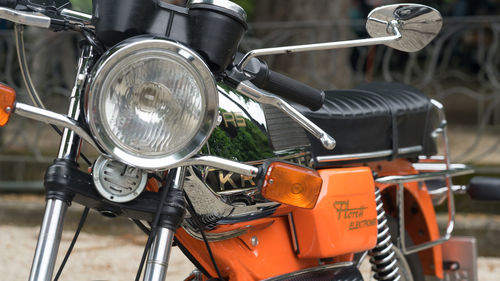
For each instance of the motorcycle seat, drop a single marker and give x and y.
(373, 122)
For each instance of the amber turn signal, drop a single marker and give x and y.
(291, 184)
(7, 99)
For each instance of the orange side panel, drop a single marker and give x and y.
(240, 259)
(344, 219)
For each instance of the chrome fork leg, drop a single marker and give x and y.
(159, 253)
(48, 240)
(58, 201)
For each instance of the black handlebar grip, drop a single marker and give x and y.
(293, 90)
(8, 3)
(484, 189)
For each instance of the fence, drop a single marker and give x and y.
(460, 68)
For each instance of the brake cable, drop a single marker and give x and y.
(197, 220)
(73, 242)
(154, 226)
(25, 73)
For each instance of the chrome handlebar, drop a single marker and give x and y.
(25, 18)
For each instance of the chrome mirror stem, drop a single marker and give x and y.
(322, 46)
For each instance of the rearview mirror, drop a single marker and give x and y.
(418, 25)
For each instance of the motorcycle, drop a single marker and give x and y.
(208, 149)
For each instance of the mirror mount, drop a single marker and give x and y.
(405, 27)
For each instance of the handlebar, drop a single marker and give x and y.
(284, 86)
(25, 18)
(294, 90)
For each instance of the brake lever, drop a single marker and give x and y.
(250, 90)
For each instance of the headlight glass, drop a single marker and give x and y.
(152, 103)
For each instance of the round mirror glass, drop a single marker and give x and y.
(418, 25)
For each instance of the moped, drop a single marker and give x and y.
(252, 174)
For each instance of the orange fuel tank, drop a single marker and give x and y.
(344, 219)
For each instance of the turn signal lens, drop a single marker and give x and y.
(292, 185)
(7, 99)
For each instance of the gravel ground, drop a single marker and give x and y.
(110, 249)
(95, 257)
(98, 257)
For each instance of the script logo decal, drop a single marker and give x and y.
(356, 214)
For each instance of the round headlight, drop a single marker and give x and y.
(151, 103)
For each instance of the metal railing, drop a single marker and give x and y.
(462, 64)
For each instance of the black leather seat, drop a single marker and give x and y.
(375, 117)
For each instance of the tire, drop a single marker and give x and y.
(410, 267)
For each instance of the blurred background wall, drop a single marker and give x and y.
(460, 69)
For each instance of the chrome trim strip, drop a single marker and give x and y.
(223, 164)
(295, 240)
(53, 118)
(250, 90)
(25, 18)
(309, 270)
(320, 46)
(367, 155)
(212, 237)
(438, 166)
(433, 157)
(425, 176)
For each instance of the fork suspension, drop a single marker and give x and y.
(58, 200)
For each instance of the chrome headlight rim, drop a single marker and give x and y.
(106, 64)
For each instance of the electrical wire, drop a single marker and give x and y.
(73, 242)
(142, 227)
(197, 220)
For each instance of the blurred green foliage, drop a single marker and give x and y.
(248, 5)
(86, 6)
(82, 5)
(248, 143)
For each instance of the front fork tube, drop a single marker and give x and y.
(159, 253)
(58, 201)
(48, 240)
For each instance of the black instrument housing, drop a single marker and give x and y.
(214, 32)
